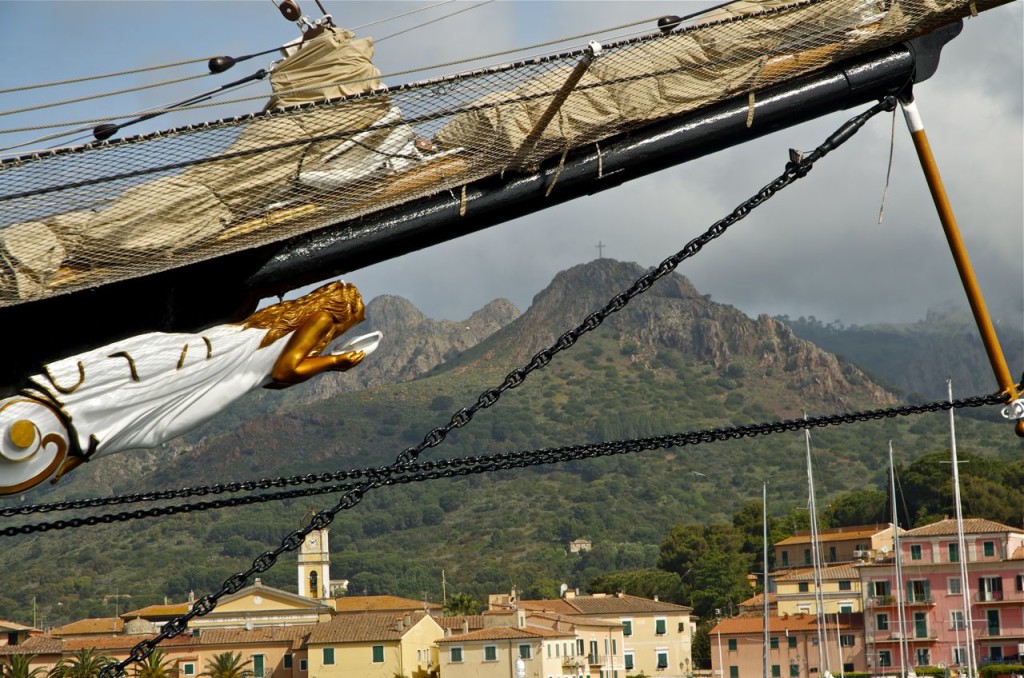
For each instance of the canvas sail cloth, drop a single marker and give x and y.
(75, 218)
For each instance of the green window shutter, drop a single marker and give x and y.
(490, 653)
(732, 644)
(794, 671)
(378, 654)
(629, 661)
(627, 627)
(328, 656)
(776, 671)
(286, 661)
(734, 672)
(774, 642)
(660, 627)
(257, 665)
(792, 641)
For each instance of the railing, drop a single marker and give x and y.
(572, 662)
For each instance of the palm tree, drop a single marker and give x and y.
(155, 666)
(227, 665)
(85, 663)
(19, 667)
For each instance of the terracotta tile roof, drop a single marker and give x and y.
(12, 626)
(260, 634)
(476, 621)
(831, 573)
(35, 645)
(154, 611)
(834, 534)
(621, 604)
(507, 633)
(758, 600)
(95, 625)
(792, 623)
(557, 605)
(355, 628)
(948, 527)
(1018, 554)
(575, 620)
(125, 642)
(381, 604)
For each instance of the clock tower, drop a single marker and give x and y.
(315, 566)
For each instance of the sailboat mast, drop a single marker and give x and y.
(764, 566)
(819, 598)
(900, 612)
(961, 547)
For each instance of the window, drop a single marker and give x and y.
(615, 649)
(579, 646)
(954, 553)
(845, 608)
(328, 656)
(593, 652)
(918, 591)
(774, 642)
(627, 627)
(258, 665)
(785, 558)
(990, 588)
(803, 587)
(807, 556)
(846, 640)
(660, 627)
(490, 653)
(884, 658)
(848, 667)
(792, 641)
(455, 654)
(953, 586)
(303, 665)
(915, 552)
(845, 585)
(776, 671)
(882, 621)
(831, 554)
(880, 588)
(526, 651)
(921, 657)
(629, 661)
(188, 669)
(1020, 582)
(794, 671)
(732, 645)
(995, 653)
(286, 661)
(992, 617)
(959, 655)
(988, 548)
(956, 620)
(734, 672)
(920, 625)
(662, 659)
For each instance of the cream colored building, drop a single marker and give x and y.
(840, 591)
(492, 652)
(259, 606)
(374, 646)
(838, 545)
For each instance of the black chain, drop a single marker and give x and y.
(446, 468)
(797, 168)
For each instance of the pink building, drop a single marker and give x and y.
(935, 621)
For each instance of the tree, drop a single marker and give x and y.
(155, 666)
(461, 604)
(860, 507)
(84, 663)
(19, 666)
(227, 665)
(666, 586)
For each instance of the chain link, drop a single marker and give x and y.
(795, 169)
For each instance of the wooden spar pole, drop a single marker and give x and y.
(963, 263)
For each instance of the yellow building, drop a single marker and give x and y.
(493, 652)
(260, 606)
(838, 545)
(374, 646)
(840, 591)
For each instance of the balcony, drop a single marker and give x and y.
(573, 662)
(998, 597)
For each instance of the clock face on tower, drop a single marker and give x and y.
(313, 541)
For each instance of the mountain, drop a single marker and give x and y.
(917, 358)
(672, 360)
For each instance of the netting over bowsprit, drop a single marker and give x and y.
(333, 143)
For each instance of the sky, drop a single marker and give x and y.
(816, 249)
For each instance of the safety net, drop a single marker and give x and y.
(333, 144)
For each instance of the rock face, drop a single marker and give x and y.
(413, 344)
(673, 315)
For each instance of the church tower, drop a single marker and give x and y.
(315, 566)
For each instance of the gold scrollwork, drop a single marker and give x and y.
(66, 390)
(131, 362)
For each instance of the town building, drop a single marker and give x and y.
(840, 590)
(493, 652)
(936, 620)
(374, 645)
(838, 545)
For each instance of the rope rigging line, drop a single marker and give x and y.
(798, 167)
(458, 466)
(433, 21)
(399, 16)
(115, 74)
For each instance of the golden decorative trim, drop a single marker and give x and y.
(131, 362)
(209, 347)
(69, 389)
(750, 110)
(184, 352)
(23, 432)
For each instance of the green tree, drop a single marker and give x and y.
(20, 666)
(155, 666)
(666, 586)
(84, 663)
(462, 604)
(860, 507)
(227, 665)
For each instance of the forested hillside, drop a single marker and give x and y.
(673, 360)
